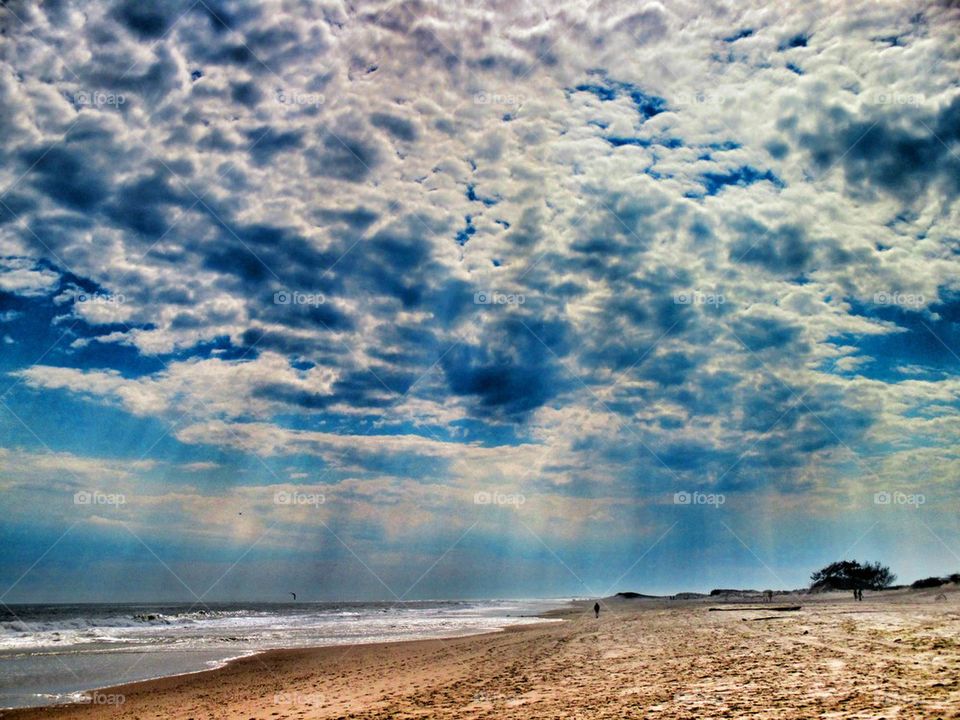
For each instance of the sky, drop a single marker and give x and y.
(404, 300)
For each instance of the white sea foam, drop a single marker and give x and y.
(102, 641)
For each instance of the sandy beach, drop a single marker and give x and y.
(895, 655)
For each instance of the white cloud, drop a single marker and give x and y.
(338, 152)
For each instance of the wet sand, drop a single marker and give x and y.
(894, 655)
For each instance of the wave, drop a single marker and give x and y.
(58, 628)
(20, 627)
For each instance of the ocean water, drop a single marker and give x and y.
(51, 654)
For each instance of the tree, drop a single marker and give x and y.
(851, 575)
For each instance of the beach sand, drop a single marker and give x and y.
(894, 655)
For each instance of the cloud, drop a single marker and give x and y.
(22, 276)
(600, 253)
(884, 153)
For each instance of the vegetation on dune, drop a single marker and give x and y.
(928, 583)
(852, 575)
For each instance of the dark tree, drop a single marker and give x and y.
(851, 575)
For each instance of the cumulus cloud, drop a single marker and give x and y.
(665, 246)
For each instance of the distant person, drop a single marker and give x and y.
(859, 593)
(855, 596)
(596, 609)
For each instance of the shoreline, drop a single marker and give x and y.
(221, 664)
(889, 656)
(547, 617)
(253, 663)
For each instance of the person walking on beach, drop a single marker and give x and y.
(596, 609)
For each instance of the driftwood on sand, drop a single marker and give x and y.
(782, 608)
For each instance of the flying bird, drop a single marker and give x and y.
(294, 595)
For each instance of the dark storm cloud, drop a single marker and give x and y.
(513, 371)
(765, 333)
(343, 156)
(397, 262)
(267, 142)
(293, 395)
(669, 368)
(785, 249)
(358, 218)
(268, 256)
(397, 126)
(67, 176)
(141, 204)
(882, 154)
(147, 20)
(13, 205)
(246, 93)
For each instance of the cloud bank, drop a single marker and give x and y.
(405, 253)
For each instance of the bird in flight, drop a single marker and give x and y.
(294, 595)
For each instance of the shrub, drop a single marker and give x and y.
(851, 575)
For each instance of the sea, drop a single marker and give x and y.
(54, 654)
